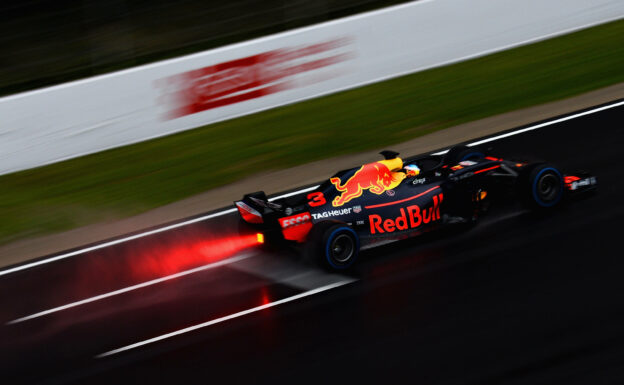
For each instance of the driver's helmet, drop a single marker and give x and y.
(411, 170)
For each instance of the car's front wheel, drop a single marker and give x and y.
(542, 186)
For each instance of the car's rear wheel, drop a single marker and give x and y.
(334, 245)
(542, 186)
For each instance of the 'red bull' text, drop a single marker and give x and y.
(410, 218)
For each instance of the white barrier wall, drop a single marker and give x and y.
(91, 115)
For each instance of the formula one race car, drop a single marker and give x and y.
(393, 199)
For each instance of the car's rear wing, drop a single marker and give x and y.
(255, 207)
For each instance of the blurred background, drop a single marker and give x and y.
(57, 41)
(48, 42)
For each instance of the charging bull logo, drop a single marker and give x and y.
(375, 177)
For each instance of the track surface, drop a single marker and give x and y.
(520, 299)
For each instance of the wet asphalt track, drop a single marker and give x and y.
(520, 299)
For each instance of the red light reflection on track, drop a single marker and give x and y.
(138, 262)
(171, 259)
(265, 297)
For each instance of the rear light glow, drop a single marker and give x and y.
(162, 260)
(260, 237)
(152, 258)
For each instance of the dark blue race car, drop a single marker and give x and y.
(393, 199)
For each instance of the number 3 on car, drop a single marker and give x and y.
(316, 199)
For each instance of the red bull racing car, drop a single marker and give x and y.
(393, 199)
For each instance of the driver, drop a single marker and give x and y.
(411, 170)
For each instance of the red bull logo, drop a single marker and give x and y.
(414, 218)
(375, 177)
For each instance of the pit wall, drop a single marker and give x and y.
(87, 116)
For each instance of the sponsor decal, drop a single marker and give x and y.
(295, 220)
(375, 177)
(574, 183)
(359, 222)
(253, 76)
(390, 193)
(467, 163)
(357, 209)
(410, 217)
(458, 167)
(419, 180)
(332, 213)
(296, 227)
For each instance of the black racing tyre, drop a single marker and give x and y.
(541, 186)
(460, 153)
(334, 245)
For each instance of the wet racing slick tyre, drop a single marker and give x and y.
(460, 153)
(334, 245)
(541, 186)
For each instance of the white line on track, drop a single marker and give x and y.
(226, 318)
(545, 124)
(541, 125)
(131, 288)
(231, 210)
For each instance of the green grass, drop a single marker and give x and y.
(136, 178)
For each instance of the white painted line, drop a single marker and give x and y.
(131, 288)
(545, 124)
(231, 210)
(137, 236)
(541, 125)
(226, 318)
(305, 190)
